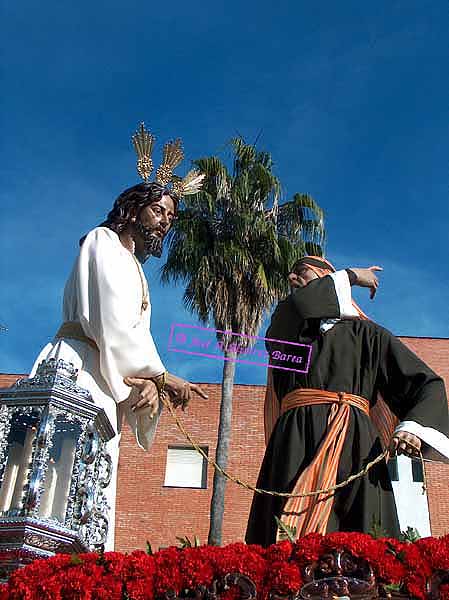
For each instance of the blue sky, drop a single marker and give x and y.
(350, 99)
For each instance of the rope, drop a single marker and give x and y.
(248, 486)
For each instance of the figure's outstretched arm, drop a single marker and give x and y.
(330, 297)
(416, 395)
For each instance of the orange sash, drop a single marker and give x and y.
(311, 513)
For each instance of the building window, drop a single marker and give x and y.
(417, 472)
(393, 469)
(186, 467)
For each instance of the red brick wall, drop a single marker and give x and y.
(148, 511)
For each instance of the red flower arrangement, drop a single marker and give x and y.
(279, 570)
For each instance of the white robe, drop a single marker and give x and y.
(104, 294)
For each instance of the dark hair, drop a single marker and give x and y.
(136, 197)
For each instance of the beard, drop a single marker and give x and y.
(152, 243)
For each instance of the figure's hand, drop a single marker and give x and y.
(367, 278)
(180, 390)
(293, 280)
(147, 395)
(406, 443)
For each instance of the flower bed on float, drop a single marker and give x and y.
(383, 568)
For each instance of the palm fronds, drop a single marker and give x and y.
(232, 249)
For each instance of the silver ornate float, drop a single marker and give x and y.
(54, 467)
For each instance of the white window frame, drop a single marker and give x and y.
(177, 476)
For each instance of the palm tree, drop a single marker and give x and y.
(232, 246)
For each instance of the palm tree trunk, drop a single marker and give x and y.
(221, 456)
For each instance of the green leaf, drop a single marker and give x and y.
(184, 542)
(149, 549)
(393, 587)
(287, 532)
(75, 559)
(410, 535)
(377, 530)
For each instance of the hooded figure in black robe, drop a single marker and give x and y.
(351, 354)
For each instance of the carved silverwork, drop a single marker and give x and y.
(339, 574)
(54, 466)
(247, 589)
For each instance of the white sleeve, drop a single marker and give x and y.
(344, 295)
(435, 439)
(110, 300)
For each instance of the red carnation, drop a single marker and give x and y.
(167, 574)
(279, 552)
(308, 549)
(240, 558)
(196, 568)
(283, 578)
(435, 551)
(138, 576)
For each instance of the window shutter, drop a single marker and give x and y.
(185, 468)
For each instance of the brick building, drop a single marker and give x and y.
(166, 493)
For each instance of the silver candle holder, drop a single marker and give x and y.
(54, 467)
